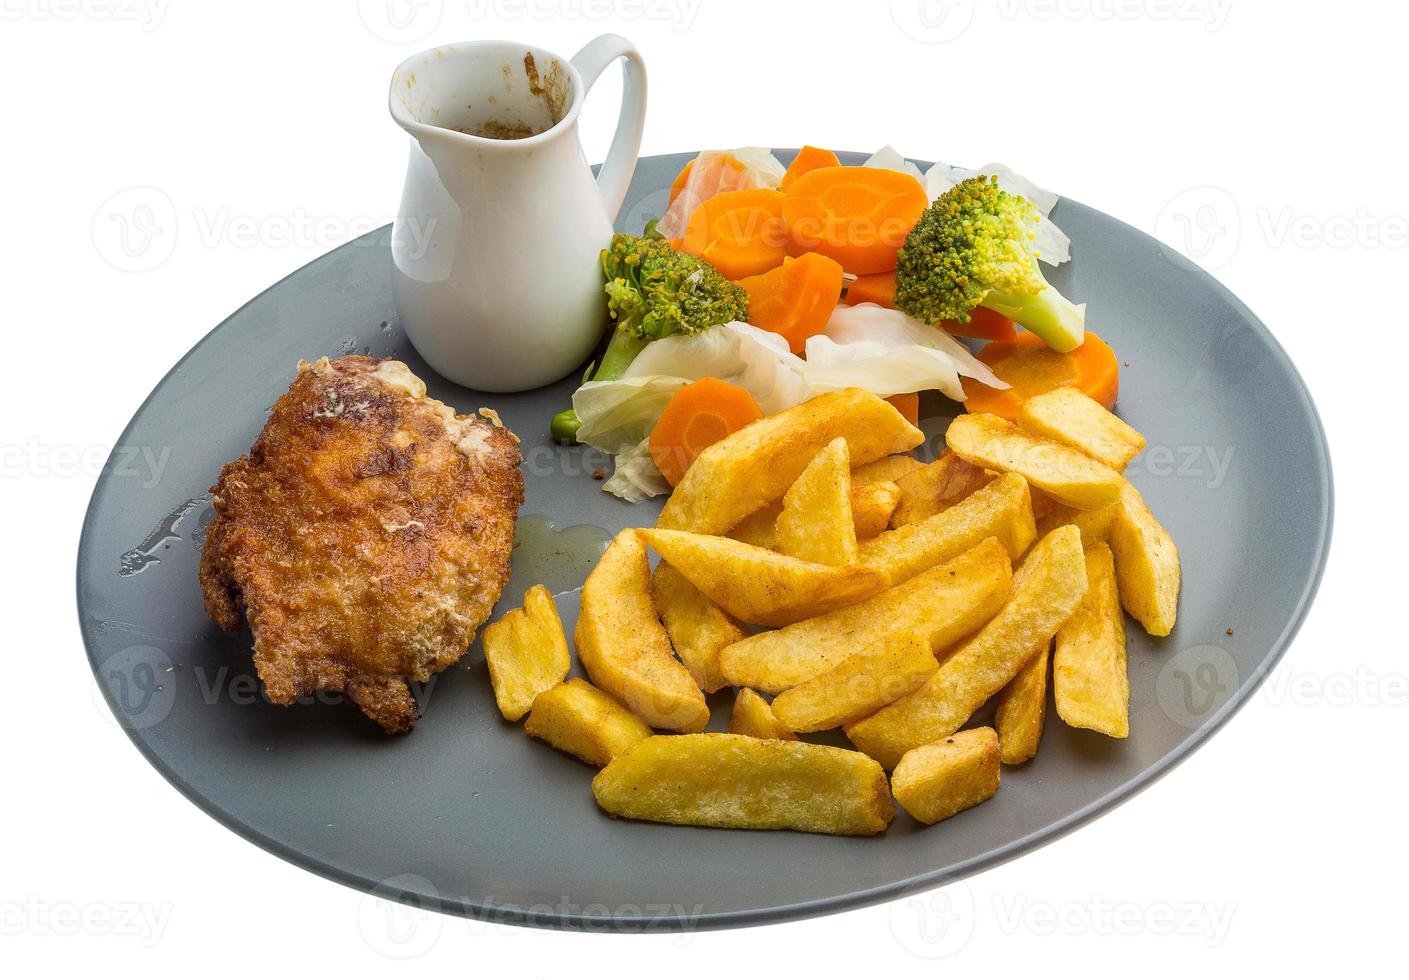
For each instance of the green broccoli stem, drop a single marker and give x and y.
(621, 351)
(1049, 314)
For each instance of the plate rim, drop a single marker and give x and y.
(501, 913)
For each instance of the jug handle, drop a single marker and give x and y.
(590, 62)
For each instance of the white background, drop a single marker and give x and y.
(1266, 140)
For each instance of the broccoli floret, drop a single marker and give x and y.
(654, 291)
(973, 247)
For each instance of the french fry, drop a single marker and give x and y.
(1089, 677)
(935, 781)
(887, 469)
(858, 686)
(527, 653)
(1000, 510)
(698, 628)
(760, 528)
(1047, 587)
(762, 587)
(755, 466)
(1070, 416)
(1146, 564)
(1094, 525)
(715, 779)
(576, 718)
(1022, 708)
(945, 603)
(934, 488)
(625, 649)
(1066, 474)
(872, 505)
(816, 524)
(754, 717)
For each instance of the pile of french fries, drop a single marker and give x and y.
(896, 598)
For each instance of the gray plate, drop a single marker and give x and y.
(470, 816)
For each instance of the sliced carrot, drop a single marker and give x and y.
(680, 179)
(695, 418)
(795, 299)
(984, 324)
(907, 405)
(856, 215)
(740, 233)
(878, 288)
(1031, 367)
(808, 158)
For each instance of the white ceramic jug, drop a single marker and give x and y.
(495, 247)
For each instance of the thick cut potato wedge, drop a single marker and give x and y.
(1089, 680)
(1000, 510)
(1094, 525)
(858, 686)
(1022, 708)
(887, 469)
(872, 505)
(625, 649)
(946, 603)
(752, 468)
(760, 528)
(698, 628)
(816, 524)
(754, 717)
(1068, 475)
(1047, 587)
(527, 653)
(580, 720)
(935, 781)
(934, 488)
(1071, 416)
(762, 587)
(721, 780)
(1146, 564)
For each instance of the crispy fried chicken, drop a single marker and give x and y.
(366, 536)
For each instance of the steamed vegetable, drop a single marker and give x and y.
(741, 233)
(984, 324)
(889, 353)
(808, 158)
(654, 291)
(795, 299)
(700, 414)
(973, 247)
(715, 172)
(858, 216)
(1032, 368)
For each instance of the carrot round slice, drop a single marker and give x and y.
(856, 215)
(695, 418)
(795, 299)
(740, 233)
(680, 180)
(808, 158)
(1031, 367)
